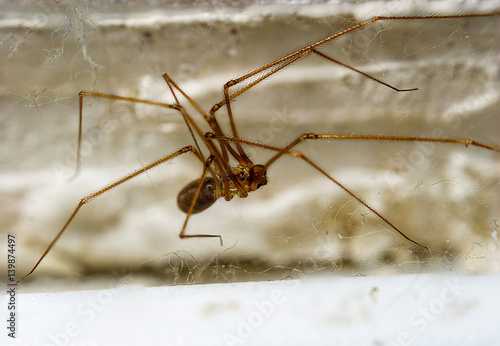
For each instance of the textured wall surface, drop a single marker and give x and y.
(443, 196)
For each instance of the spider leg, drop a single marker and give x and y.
(193, 202)
(281, 63)
(287, 150)
(83, 94)
(91, 197)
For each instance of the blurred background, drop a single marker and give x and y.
(300, 224)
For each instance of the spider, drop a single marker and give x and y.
(221, 179)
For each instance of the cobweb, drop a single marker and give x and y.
(443, 196)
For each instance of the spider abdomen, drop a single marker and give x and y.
(206, 197)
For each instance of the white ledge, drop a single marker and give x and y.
(428, 309)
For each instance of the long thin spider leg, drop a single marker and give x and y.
(306, 136)
(233, 82)
(360, 72)
(211, 121)
(89, 198)
(193, 202)
(184, 117)
(355, 27)
(463, 141)
(222, 159)
(303, 157)
(171, 82)
(83, 94)
(308, 49)
(228, 97)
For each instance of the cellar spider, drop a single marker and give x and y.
(219, 177)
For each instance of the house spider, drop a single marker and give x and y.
(220, 178)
